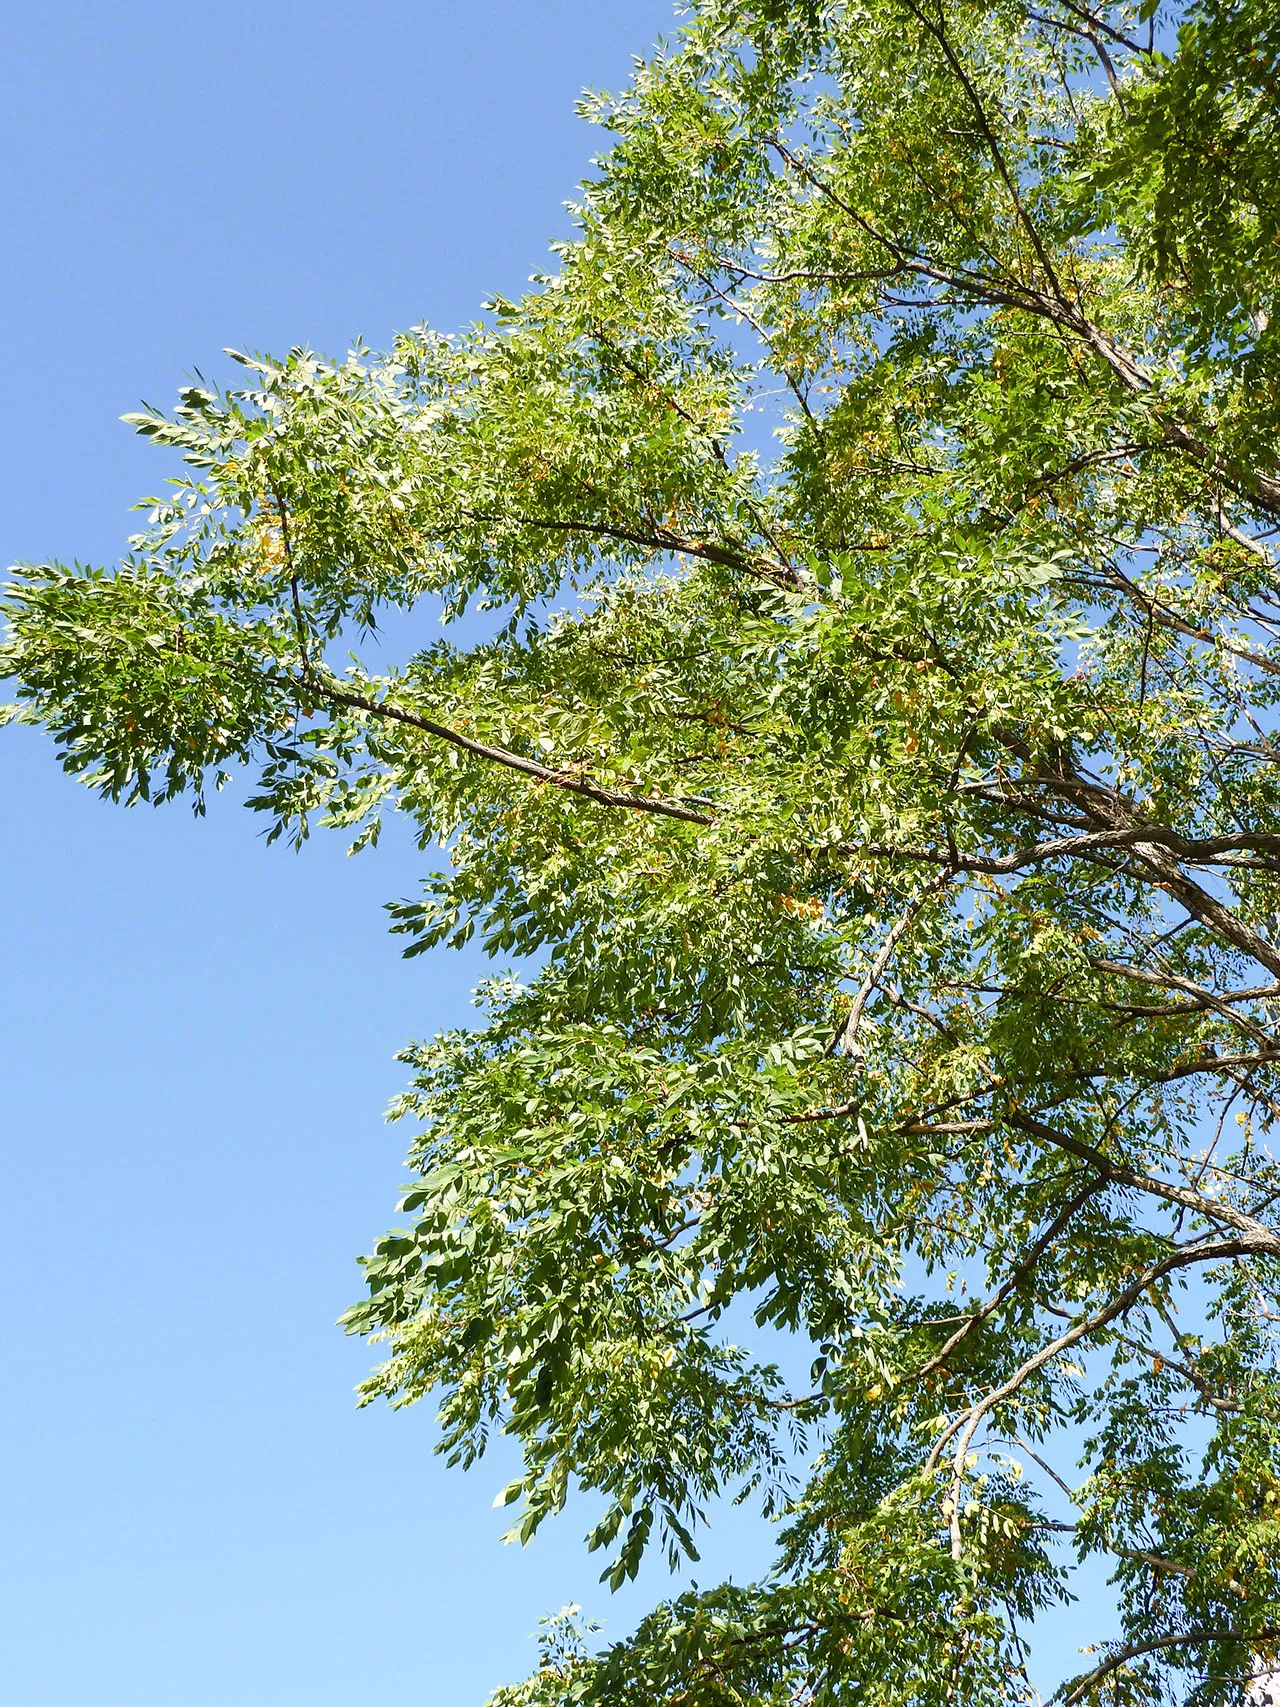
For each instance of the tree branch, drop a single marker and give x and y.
(966, 1424)
(504, 756)
(1184, 1638)
(1261, 1240)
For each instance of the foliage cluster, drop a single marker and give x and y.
(872, 760)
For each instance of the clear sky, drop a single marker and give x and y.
(199, 1031)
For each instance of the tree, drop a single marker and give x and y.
(881, 808)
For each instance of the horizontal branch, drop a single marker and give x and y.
(1196, 850)
(1152, 844)
(662, 539)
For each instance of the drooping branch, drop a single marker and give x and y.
(565, 780)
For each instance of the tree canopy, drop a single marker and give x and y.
(867, 780)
